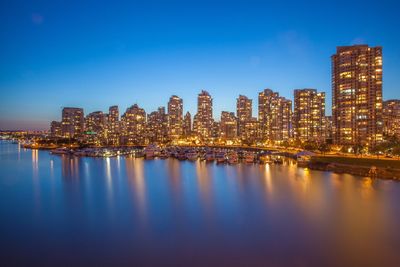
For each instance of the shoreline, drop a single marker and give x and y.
(387, 169)
(358, 167)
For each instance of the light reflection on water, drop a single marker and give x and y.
(129, 211)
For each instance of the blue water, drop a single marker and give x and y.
(70, 211)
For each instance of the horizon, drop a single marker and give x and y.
(57, 54)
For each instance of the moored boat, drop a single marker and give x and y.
(278, 160)
(220, 157)
(150, 151)
(210, 156)
(233, 157)
(61, 151)
(249, 157)
(191, 155)
(303, 161)
(265, 159)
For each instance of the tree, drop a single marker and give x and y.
(324, 148)
(358, 149)
(396, 151)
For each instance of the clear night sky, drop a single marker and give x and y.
(96, 54)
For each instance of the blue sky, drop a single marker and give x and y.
(101, 53)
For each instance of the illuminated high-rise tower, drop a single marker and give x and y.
(204, 118)
(243, 112)
(309, 115)
(274, 115)
(113, 125)
(72, 122)
(357, 95)
(175, 117)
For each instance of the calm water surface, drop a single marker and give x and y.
(69, 211)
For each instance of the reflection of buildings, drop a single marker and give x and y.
(357, 94)
(174, 178)
(35, 160)
(136, 176)
(204, 184)
(70, 167)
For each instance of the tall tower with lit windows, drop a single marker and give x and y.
(357, 95)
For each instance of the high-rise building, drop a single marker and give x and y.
(96, 127)
(203, 120)
(274, 115)
(328, 126)
(244, 108)
(55, 129)
(216, 130)
(357, 95)
(134, 125)
(157, 122)
(251, 131)
(72, 122)
(391, 117)
(228, 125)
(187, 124)
(309, 115)
(113, 125)
(175, 117)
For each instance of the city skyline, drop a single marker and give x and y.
(51, 58)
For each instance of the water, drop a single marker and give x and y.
(69, 211)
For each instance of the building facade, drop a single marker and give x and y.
(228, 125)
(96, 128)
(157, 123)
(187, 124)
(274, 116)
(357, 95)
(391, 118)
(244, 113)
(203, 120)
(309, 115)
(175, 117)
(113, 128)
(55, 129)
(72, 122)
(134, 126)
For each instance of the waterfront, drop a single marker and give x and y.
(66, 210)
